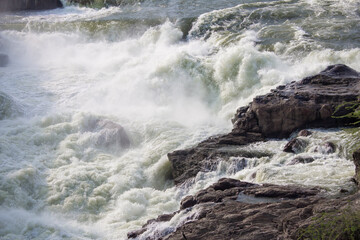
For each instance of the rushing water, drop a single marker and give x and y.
(171, 73)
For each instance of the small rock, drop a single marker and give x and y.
(295, 145)
(186, 202)
(227, 183)
(304, 133)
(161, 218)
(135, 234)
(326, 148)
(329, 147)
(303, 160)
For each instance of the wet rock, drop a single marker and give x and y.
(187, 163)
(304, 133)
(4, 60)
(329, 147)
(8, 107)
(295, 145)
(250, 211)
(161, 218)
(187, 202)
(356, 159)
(82, 2)
(326, 148)
(241, 210)
(229, 189)
(111, 133)
(18, 5)
(101, 3)
(308, 103)
(302, 160)
(136, 233)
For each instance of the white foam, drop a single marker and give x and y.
(61, 176)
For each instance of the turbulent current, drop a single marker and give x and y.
(92, 100)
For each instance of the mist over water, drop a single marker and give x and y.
(163, 75)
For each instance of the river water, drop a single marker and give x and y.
(171, 73)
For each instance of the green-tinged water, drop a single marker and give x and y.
(171, 73)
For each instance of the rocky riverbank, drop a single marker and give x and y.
(231, 209)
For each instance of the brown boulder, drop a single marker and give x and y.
(295, 145)
(310, 102)
(304, 133)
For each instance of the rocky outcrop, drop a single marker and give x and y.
(231, 209)
(240, 210)
(259, 212)
(311, 102)
(18, 5)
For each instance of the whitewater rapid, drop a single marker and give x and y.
(65, 175)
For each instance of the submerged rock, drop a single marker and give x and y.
(295, 145)
(326, 148)
(302, 160)
(4, 60)
(8, 107)
(308, 103)
(18, 5)
(111, 133)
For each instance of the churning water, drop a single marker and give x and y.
(93, 100)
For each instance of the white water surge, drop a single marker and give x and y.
(77, 75)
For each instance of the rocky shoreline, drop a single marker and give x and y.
(231, 209)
